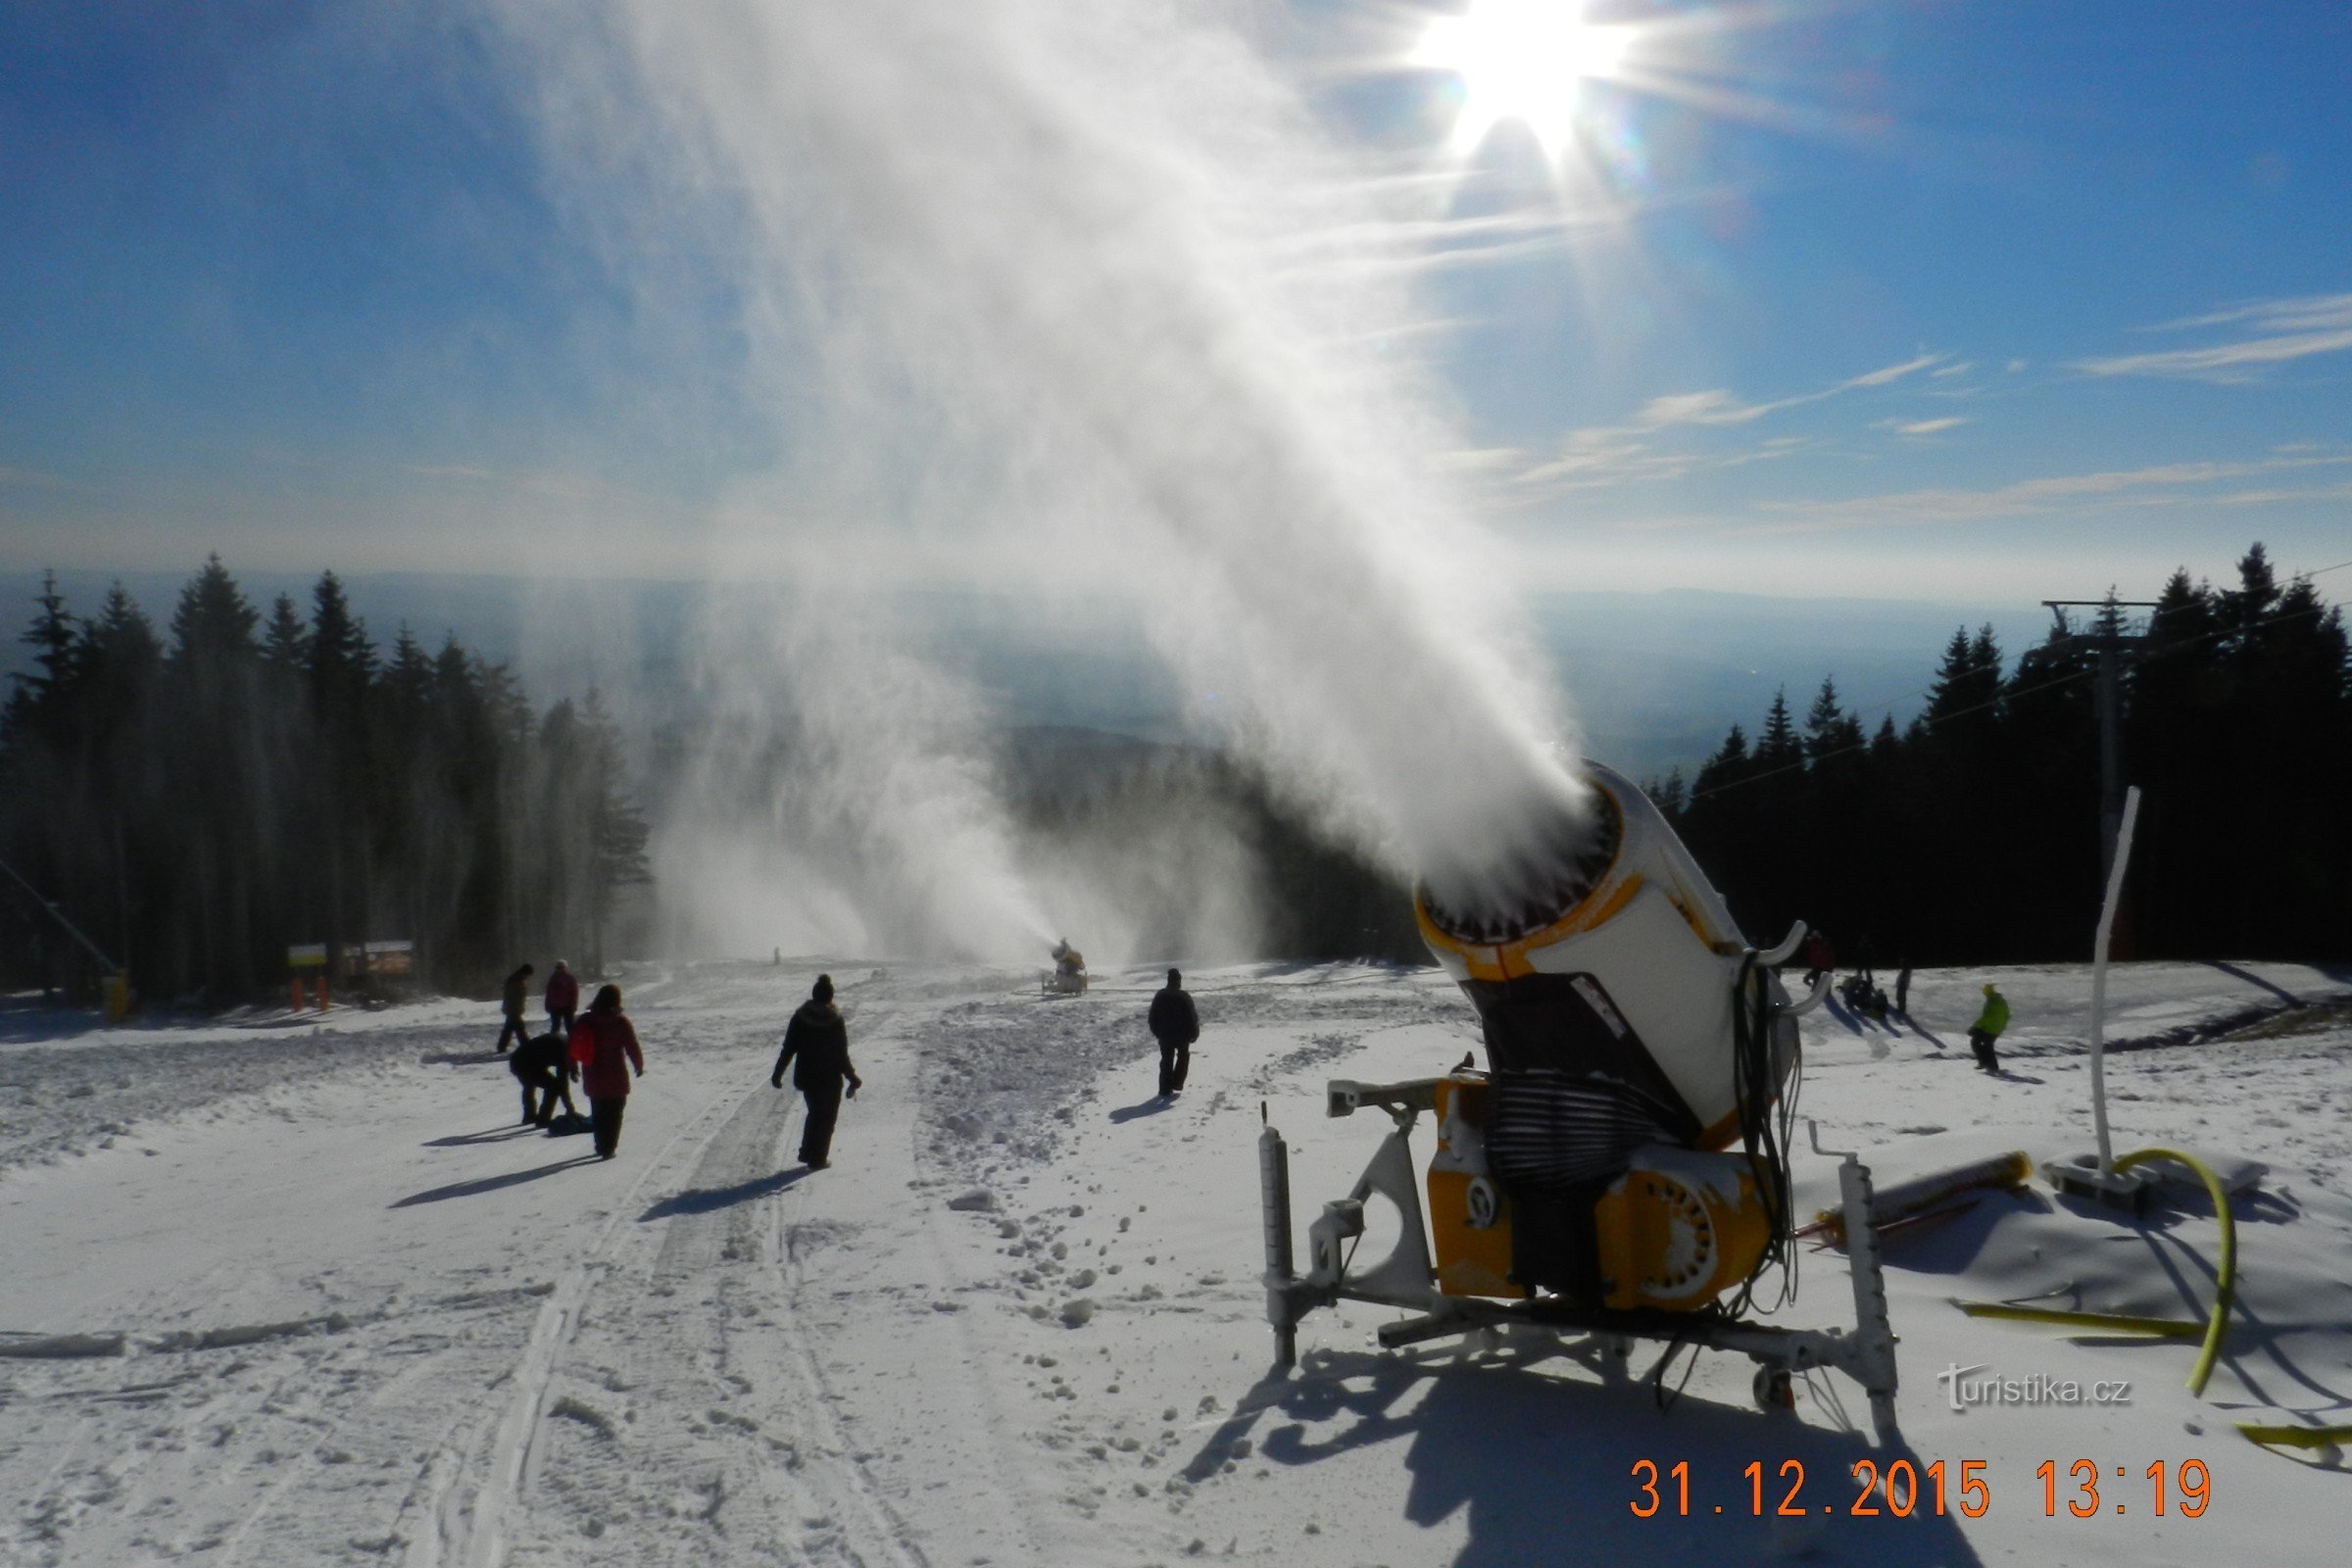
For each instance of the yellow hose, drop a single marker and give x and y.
(2215, 1325)
(2295, 1437)
(2163, 1328)
(2227, 1278)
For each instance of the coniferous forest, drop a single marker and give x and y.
(1973, 836)
(201, 798)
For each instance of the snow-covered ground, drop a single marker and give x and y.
(295, 1295)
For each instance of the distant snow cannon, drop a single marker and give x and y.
(1622, 1167)
(1067, 977)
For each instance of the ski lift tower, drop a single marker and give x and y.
(2109, 635)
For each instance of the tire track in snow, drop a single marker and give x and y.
(856, 1485)
(892, 1226)
(478, 1537)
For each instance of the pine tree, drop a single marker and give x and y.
(617, 830)
(117, 662)
(285, 640)
(342, 661)
(38, 708)
(1779, 747)
(1830, 732)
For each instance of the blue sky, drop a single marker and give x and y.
(1909, 300)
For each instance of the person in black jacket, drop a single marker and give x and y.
(821, 1041)
(1175, 1025)
(542, 1065)
(513, 1002)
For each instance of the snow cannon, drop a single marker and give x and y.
(1620, 1168)
(1631, 1036)
(1067, 977)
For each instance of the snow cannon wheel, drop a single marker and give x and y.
(1773, 1389)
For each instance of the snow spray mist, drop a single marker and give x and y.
(1068, 294)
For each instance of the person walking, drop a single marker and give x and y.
(1988, 1028)
(562, 999)
(539, 1066)
(1175, 1024)
(816, 1047)
(514, 1001)
(603, 1046)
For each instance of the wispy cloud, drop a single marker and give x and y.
(1719, 406)
(1921, 426)
(2270, 332)
(1603, 456)
(2165, 485)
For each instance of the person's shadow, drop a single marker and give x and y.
(709, 1199)
(497, 1134)
(1146, 1107)
(490, 1184)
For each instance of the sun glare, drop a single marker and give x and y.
(1523, 60)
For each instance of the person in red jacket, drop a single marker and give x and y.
(562, 999)
(605, 1045)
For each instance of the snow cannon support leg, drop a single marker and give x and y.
(1283, 1308)
(1873, 1364)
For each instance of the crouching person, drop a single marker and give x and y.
(541, 1067)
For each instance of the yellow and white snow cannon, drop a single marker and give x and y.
(1068, 978)
(1620, 1168)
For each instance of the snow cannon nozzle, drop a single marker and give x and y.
(1520, 893)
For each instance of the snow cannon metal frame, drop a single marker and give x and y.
(1587, 1184)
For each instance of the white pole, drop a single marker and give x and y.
(2099, 978)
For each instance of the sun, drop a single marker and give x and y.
(1523, 60)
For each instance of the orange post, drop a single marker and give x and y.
(296, 982)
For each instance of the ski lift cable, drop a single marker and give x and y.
(2025, 691)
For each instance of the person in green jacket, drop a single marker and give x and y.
(1988, 1028)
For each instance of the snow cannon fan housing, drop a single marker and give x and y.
(1588, 1162)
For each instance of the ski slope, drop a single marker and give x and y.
(285, 1292)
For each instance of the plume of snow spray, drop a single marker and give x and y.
(1080, 279)
(881, 828)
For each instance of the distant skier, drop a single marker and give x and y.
(562, 999)
(515, 1002)
(816, 1047)
(1988, 1028)
(1819, 956)
(1902, 990)
(1175, 1024)
(541, 1066)
(603, 1044)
